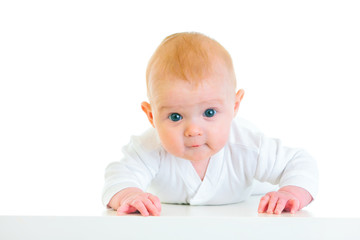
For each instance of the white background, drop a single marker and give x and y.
(72, 77)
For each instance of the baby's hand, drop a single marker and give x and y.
(137, 200)
(289, 198)
(131, 200)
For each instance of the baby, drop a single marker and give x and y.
(197, 152)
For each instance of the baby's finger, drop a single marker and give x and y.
(125, 209)
(139, 205)
(280, 205)
(295, 205)
(263, 203)
(272, 203)
(151, 207)
(156, 201)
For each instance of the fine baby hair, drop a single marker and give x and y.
(189, 56)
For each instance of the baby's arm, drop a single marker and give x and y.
(288, 198)
(133, 199)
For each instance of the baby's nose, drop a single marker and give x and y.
(193, 130)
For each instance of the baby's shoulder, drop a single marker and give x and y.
(148, 141)
(244, 134)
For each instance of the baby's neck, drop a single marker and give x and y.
(201, 167)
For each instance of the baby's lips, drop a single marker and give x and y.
(194, 145)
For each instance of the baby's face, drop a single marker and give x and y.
(193, 122)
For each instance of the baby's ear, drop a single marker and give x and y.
(238, 97)
(146, 107)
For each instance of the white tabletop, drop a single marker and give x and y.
(183, 222)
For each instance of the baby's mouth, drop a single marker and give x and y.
(196, 145)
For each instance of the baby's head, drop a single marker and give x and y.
(191, 86)
(191, 57)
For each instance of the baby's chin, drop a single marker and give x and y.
(198, 153)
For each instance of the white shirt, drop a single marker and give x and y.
(248, 156)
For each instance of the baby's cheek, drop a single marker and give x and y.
(171, 142)
(219, 142)
(220, 135)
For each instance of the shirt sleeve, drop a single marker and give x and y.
(285, 166)
(137, 168)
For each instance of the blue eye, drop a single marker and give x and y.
(209, 112)
(175, 117)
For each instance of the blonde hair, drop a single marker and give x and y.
(189, 56)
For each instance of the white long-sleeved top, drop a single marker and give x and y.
(248, 156)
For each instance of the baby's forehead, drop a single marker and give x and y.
(178, 91)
